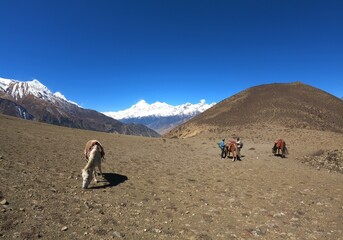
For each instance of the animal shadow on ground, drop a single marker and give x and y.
(279, 155)
(111, 180)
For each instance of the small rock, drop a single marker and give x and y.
(156, 230)
(278, 214)
(117, 234)
(87, 205)
(4, 202)
(65, 228)
(16, 235)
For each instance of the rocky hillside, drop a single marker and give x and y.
(294, 105)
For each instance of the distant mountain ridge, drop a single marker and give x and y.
(32, 100)
(289, 105)
(160, 116)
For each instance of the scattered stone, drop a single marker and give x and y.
(65, 228)
(87, 205)
(117, 234)
(156, 230)
(330, 160)
(3, 202)
(16, 235)
(278, 214)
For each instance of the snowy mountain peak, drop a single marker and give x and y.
(159, 109)
(18, 90)
(141, 105)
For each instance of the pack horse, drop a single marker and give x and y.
(94, 153)
(280, 148)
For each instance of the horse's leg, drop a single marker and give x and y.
(283, 152)
(233, 153)
(94, 175)
(100, 169)
(274, 149)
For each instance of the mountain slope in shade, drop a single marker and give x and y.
(160, 116)
(293, 105)
(11, 108)
(44, 106)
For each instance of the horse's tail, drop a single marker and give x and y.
(95, 155)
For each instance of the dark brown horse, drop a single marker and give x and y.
(280, 146)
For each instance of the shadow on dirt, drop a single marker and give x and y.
(111, 180)
(280, 155)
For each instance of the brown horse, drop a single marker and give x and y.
(231, 147)
(280, 145)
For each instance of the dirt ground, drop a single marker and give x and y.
(166, 188)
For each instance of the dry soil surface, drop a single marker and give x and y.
(165, 188)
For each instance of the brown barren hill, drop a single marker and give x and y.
(159, 188)
(294, 106)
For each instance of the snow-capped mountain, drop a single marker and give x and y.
(160, 109)
(18, 90)
(33, 100)
(160, 116)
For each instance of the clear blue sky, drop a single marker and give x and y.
(108, 54)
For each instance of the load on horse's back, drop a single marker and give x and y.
(89, 146)
(280, 146)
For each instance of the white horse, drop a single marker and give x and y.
(95, 156)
